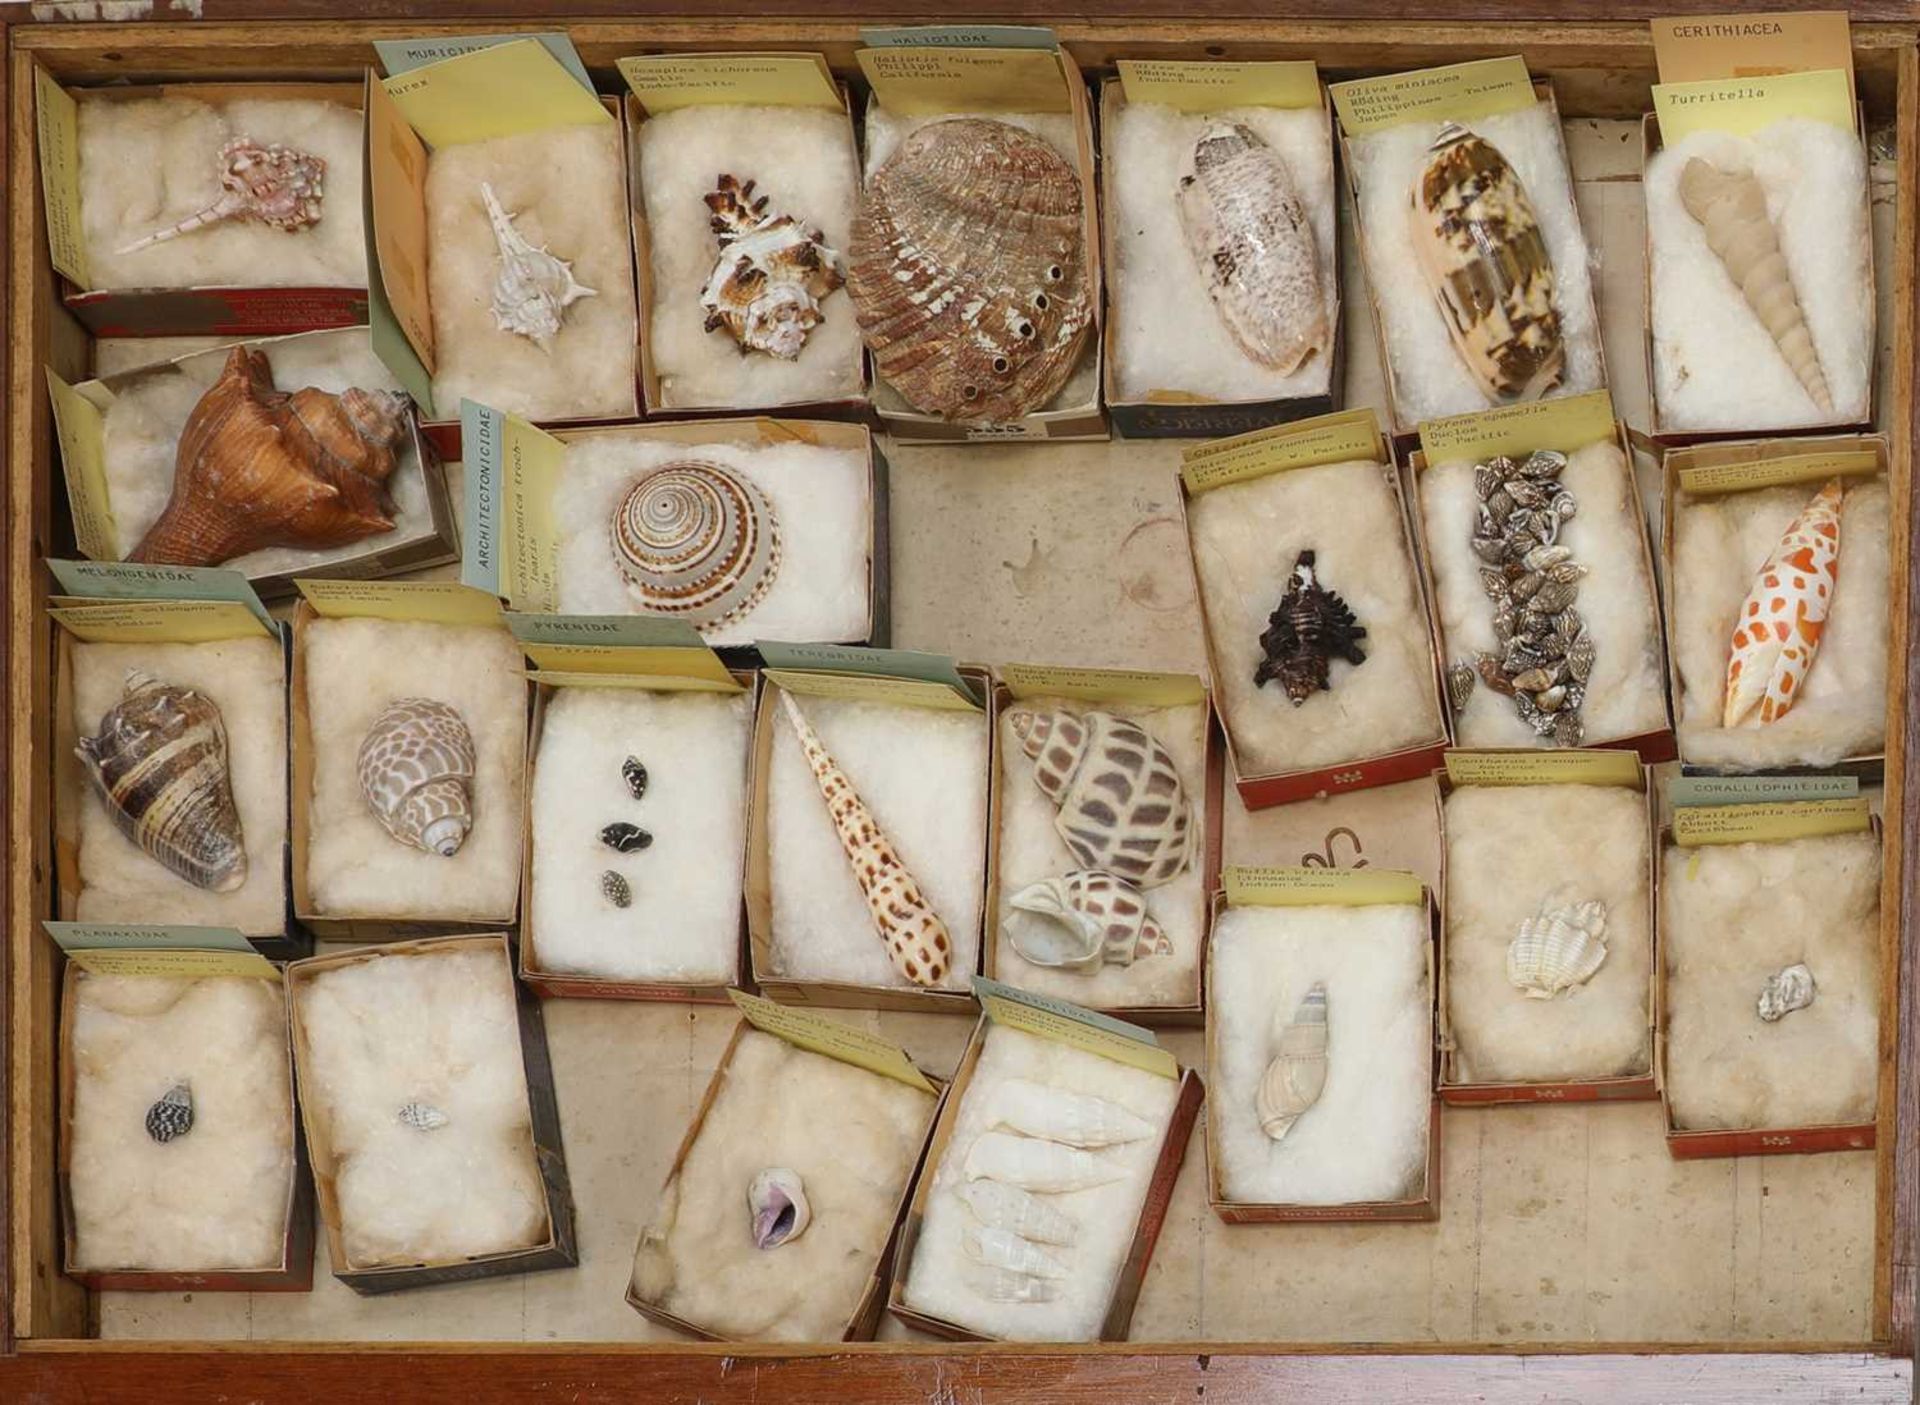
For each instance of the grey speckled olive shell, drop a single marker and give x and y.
(416, 770)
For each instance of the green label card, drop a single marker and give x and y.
(1755, 790)
(872, 663)
(399, 56)
(958, 36)
(1067, 1023)
(138, 580)
(183, 952)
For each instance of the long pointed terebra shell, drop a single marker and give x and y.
(778, 1203)
(171, 1114)
(772, 272)
(1479, 243)
(1002, 1248)
(534, 289)
(1081, 920)
(968, 271)
(1031, 1164)
(697, 541)
(1311, 627)
(1002, 1206)
(1731, 209)
(1558, 948)
(1788, 989)
(1074, 1119)
(1298, 1073)
(1003, 1285)
(416, 770)
(915, 937)
(1777, 633)
(274, 185)
(1122, 807)
(159, 763)
(1255, 247)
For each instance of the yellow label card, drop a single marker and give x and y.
(1526, 767)
(433, 602)
(160, 621)
(1769, 822)
(183, 965)
(807, 1029)
(77, 424)
(1705, 479)
(508, 544)
(1314, 887)
(1212, 87)
(869, 687)
(637, 646)
(918, 82)
(1743, 106)
(396, 198)
(643, 682)
(58, 129)
(1565, 423)
(1065, 1023)
(497, 92)
(1689, 48)
(1458, 92)
(1335, 438)
(1031, 680)
(664, 82)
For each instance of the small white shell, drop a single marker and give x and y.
(1046, 1167)
(533, 290)
(1002, 1248)
(1003, 1206)
(1082, 919)
(1076, 1119)
(1788, 989)
(1558, 948)
(422, 1117)
(1298, 1073)
(1002, 1285)
(778, 1203)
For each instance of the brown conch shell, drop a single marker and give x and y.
(274, 185)
(159, 762)
(968, 270)
(1478, 241)
(772, 272)
(416, 770)
(1123, 808)
(260, 467)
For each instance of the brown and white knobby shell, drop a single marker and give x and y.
(1122, 806)
(697, 541)
(159, 763)
(968, 270)
(771, 274)
(416, 770)
(1082, 920)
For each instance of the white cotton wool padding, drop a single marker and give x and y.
(246, 679)
(1735, 914)
(1163, 336)
(822, 501)
(940, 1280)
(354, 669)
(1429, 378)
(148, 163)
(434, 1027)
(1719, 545)
(886, 130)
(1510, 851)
(802, 162)
(853, 1137)
(1626, 693)
(1030, 850)
(1246, 536)
(684, 924)
(923, 774)
(1716, 367)
(565, 190)
(1365, 1138)
(215, 1197)
(141, 439)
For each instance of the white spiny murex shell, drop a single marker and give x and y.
(1298, 1073)
(772, 273)
(1075, 1119)
(1003, 1285)
(416, 770)
(273, 184)
(422, 1117)
(967, 270)
(158, 762)
(1255, 247)
(1032, 1164)
(1002, 1248)
(534, 289)
(1003, 1206)
(778, 1203)
(1788, 989)
(1122, 806)
(1558, 948)
(696, 541)
(1081, 920)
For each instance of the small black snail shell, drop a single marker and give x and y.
(625, 837)
(635, 775)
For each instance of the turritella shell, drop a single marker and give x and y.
(416, 770)
(1310, 628)
(1003, 1206)
(766, 287)
(1082, 920)
(1479, 243)
(1032, 1164)
(159, 763)
(696, 541)
(1003, 1249)
(1777, 632)
(777, 1201)
(1072, 1119)
(968, 270)
(533, 289)
(1558, 948)
(1294, 1079)
(915, 937)
(171, 1114)
(1123, 808)
(1255, 247)
(273, 185)
(1788, 989)
(1003, 1285)
(258, 467)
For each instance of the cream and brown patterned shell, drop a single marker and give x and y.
(416, 770)
(1082, 920)
(696, 541)
(1123, 808)
(968, 271)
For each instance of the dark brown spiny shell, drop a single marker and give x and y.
(1312, 627)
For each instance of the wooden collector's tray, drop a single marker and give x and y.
(1572, 1259)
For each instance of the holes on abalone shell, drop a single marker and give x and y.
(1000, 364)
(1039, 302)
(1025, 329)
(1055, 273)
(969, 392)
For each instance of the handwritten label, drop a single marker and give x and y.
(500, 91)
(434, 602)
(1028, 680)
(856, 687)
(638, 646)
(58, 131)
(1315, 886)
(1743, 106)
(923, 81)
(1748, 790)
(509, 546)
(1769, 822)
(160, 621)
(1459, 92)
(1689, 48)
(807, 1029)
(1336, 438)
(1067, 1023)
(958, 36)
(1705, 479)
(1566, 423)
(1593, 767)
(1213, 87)
(399, 56)
(667, 82)
(400, 319)
(78, 426)
(183, 952)
(846, 659)
(140, 580)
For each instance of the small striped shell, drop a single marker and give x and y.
(1082, 920)
(696, 541)
(159, 763)
(416, 770)
(1122, 806)
(1297, 1075)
